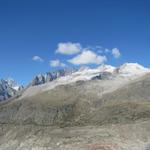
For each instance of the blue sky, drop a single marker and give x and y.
(35, 34)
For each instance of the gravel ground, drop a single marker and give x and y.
(111, 137)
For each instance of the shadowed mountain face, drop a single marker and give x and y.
(8, 88)
(82, 103)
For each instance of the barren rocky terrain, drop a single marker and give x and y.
(109, 137)
(85, 115)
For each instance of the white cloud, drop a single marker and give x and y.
(57, 63)
(37, 58)
(68, 48)
(116, 53)
(88, 57)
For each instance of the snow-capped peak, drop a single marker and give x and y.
(8, 88)
(130, 69)
(13, 84)
(127, 71)
(87, 73)
(106, 68)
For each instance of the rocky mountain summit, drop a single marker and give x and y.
(50, 76)
(8, 88)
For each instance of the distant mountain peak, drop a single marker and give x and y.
(106, 68)
(8, 88)
(132, 65)
(87, 73)
(12, 83)
(50, 76)
(132, 69)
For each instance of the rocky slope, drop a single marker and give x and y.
(93, 102)
(90, 109)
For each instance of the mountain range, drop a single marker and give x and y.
(103, 108)
(9, 87)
